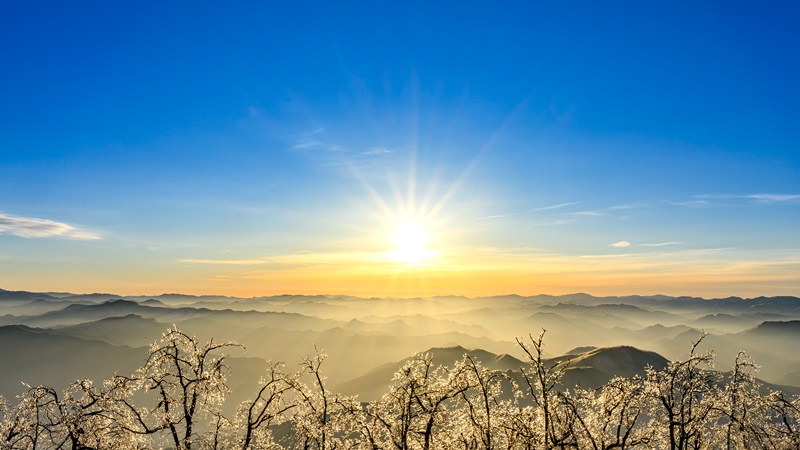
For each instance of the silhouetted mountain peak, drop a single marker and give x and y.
(772, 327)
(153, 302)
(119, 302)
(622, 360)
(19, 330)
(122, 319)
(23, 295)
(580, 350)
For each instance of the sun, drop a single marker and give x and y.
(410, 243)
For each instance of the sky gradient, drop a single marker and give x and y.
(623, 148)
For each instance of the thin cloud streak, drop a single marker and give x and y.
(32, 228)
(559, 206)
(691, 203)
(315, 140)
(661, 244)
(775, 198)
(587, 213)
(605, 211)
(242, 262)
(543, 208)
(300, 259)
(376, 151)
(761, 198)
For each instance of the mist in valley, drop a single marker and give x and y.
(54, 339)
(110, 371)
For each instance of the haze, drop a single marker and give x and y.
(385, 181)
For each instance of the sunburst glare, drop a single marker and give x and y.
(410, 243)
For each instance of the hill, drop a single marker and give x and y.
(131, 330)
(590, 369)
(623, 361)
(375, 383)
(36, 356)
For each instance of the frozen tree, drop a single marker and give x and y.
(740, 409)
(323, 420)
(268, 407)
(684, 406)
(481, 408)
(33, 421)
(550, 424)
(783, 428)
(77, 418)
(612, 416)
(188, 380)
(684, 400)
(415, 410)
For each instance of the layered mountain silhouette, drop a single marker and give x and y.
(55, 338)
(38, 356)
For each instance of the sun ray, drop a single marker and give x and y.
(410, 243)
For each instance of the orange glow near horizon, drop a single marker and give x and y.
(474, 273)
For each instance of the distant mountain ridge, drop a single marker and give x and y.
(23, 295)
(78, 313)
(577, 298)
(362, 334)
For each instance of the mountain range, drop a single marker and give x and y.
(55, 338)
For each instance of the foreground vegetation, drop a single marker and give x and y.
(174, 401)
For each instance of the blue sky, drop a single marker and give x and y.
(266, 148)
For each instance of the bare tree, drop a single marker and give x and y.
(552, 424)
(32, 422)
(77, 418)
(612, 416)
(187, 378)
(684, 406)
(481, 404)
(323, 420)
(268, 407)
(783, 428)
(740, 409)
(415, 410)
(684, 394)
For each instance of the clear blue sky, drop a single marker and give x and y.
(620, 147)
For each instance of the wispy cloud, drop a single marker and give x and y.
(309, 259)
(661, 244)
(690, 203)
(605, 211)
(242, 262)
(718, 196)
(775, 198)
(618, 255)
(760, 198)
(29, 227)
(620, 207)
(557, 222)
(304, 144)
(620, 244)
(315, 140)
(312, 144)
(559, 206)
(376, 151)
(542, 208)
(324, 150)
